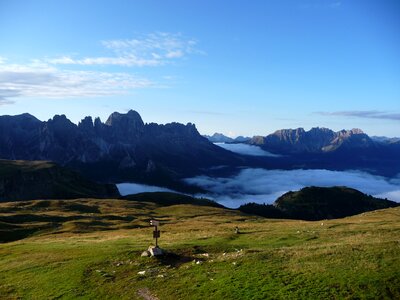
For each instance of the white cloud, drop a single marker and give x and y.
(367, 114)
(264, 186)
(50, 78)
(174, 54)
(41, 80)
(127, 61)
(149, 50)
(135, 188)
(246, 149)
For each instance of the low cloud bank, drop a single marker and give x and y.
(264, 186)
(135, 188)
(246, 149)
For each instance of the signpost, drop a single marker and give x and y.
(156, 232)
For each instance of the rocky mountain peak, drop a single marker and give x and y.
(86, 124)
(61, 122)
(316, 140)
(131, 118)
(356, 131)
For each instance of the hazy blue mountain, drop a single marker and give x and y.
(221, 138)
(385, 140)
(218, 138)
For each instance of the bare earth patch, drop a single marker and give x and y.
(146, 294)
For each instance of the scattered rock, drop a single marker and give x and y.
(142, 273)
(155, 251)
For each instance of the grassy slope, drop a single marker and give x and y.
(43, 179)
(93, 249)
(12, 167)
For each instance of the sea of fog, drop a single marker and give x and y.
(136, 188)
(265, 186)
(246, 149)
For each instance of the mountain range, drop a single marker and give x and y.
(325, 148)
(221, 138)
(316, 140)
(123, 148)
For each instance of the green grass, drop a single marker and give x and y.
(12, 167)
(92, 251)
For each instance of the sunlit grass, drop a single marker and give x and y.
(96, 255)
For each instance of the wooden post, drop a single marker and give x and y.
(156, 236)
(156, 232)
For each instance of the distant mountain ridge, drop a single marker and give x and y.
(316, 140)
(221, 138)
(122, 148)
(323, 148)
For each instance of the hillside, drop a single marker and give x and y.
(91, 249)
(166, 199)
(318, 203)
(26, 180)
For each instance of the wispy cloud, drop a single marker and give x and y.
(265, 186)
(5, 101)
(51, 78)
(154, 49)
(368, 114)
(41, 80)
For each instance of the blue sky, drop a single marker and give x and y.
(236, 67)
